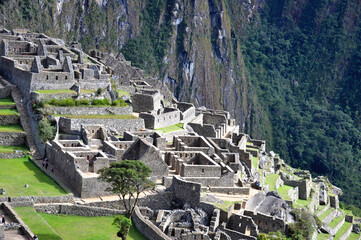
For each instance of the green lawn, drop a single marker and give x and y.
(123, 92)
(63, 91)
(53, 227)
(304, 203)
(283, 192)
(226, 205)
(99, 116)
(173, 128)
(323, 236)
(8, 112)
(336, 221)
(11, 128)
(354, 236)
(346, 226)
(11, 149)
(15, 173)
(326, 213)
(7, 101)
(271, 181)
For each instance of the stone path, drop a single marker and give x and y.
(24, 120)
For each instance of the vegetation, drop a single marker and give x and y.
(7, 101)
(283, 192)
(56, 227)
(8, 112)
(47, 132)
(173, 128)
(128, 179)
(11, 128)
(346, 226)
(16, 173)
(99, 116)
(123, 224)
(69, 102)
(122, 92)
(326, 213)
(11, 149)
(271, 181)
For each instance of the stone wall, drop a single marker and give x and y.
(186, 191)
(230, 190)
(206, 130)
(73, 125)
(2, 234)
(304, 187)
(77, 210)
(9, 119)
(90, 110)
(157, 119)
(12, 155)
(12, 138)
(267, 223)
(334, 201)
(146, 101)
(147, 228)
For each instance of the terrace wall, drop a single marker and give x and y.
(12, 138)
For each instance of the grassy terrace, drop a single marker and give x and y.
(99, 116)
(11, 149)
(283, 192)
(326, 213)
(122, 92)
(8, 112)
(255, 162)
(63, 91)
(226, 205)
(304, 203)
(323, 236)
(54, 227)
(11, 128)
(16, 172)
(346, 226)
(6, 101)
(336, 221)
(320, 208)
(173, 128)
(354, 236)
(271, 181)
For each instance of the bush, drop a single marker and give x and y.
(82, 102)
(119, 103)
(46, 131)
(100, 91)
(99, 102)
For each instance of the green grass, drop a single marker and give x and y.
(255, 162)
(320, 208)
(63, 91)
(283, 192)
(173, 128)
(326, 213)
(53, 227)
(11, 149)
(304, 203)
(99, 116)
(6, 101)
(323, 236)
(122, 92)
(11, 128)
(225, 206)
(16, 172)
(249, 144)
(353, 236)
(343, 230)
(271, 181)
(8, 112)
(336, 221)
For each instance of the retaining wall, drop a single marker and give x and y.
(90, 110)
(78, 210)
(12, 138)
(9, 119)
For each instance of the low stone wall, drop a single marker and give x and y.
(77, 210)
(90, 110)
(121, 125)
(9, 211)
(147, 228)
(12, 155)
(12, 138)
(2, 234)
(9, 119)
(230, 190)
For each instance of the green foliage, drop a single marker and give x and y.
(119, 103)
(101, 102)
(123, 224)
(305, 224)
(149, 48)
(46, 130)
(69, 102)
(127, 178)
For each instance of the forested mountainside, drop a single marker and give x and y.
(289, 71)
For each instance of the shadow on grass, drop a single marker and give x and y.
(49, 236)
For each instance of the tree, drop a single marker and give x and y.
(46, 131)
(127, 178)
(123, 224)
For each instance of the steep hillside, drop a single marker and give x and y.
(287, 70)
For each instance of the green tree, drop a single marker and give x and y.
(128, 179)
(123, 224)
(46, 131)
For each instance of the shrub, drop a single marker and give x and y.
(119, 103)
(99, 102)
(46, 131)
(100, 91)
